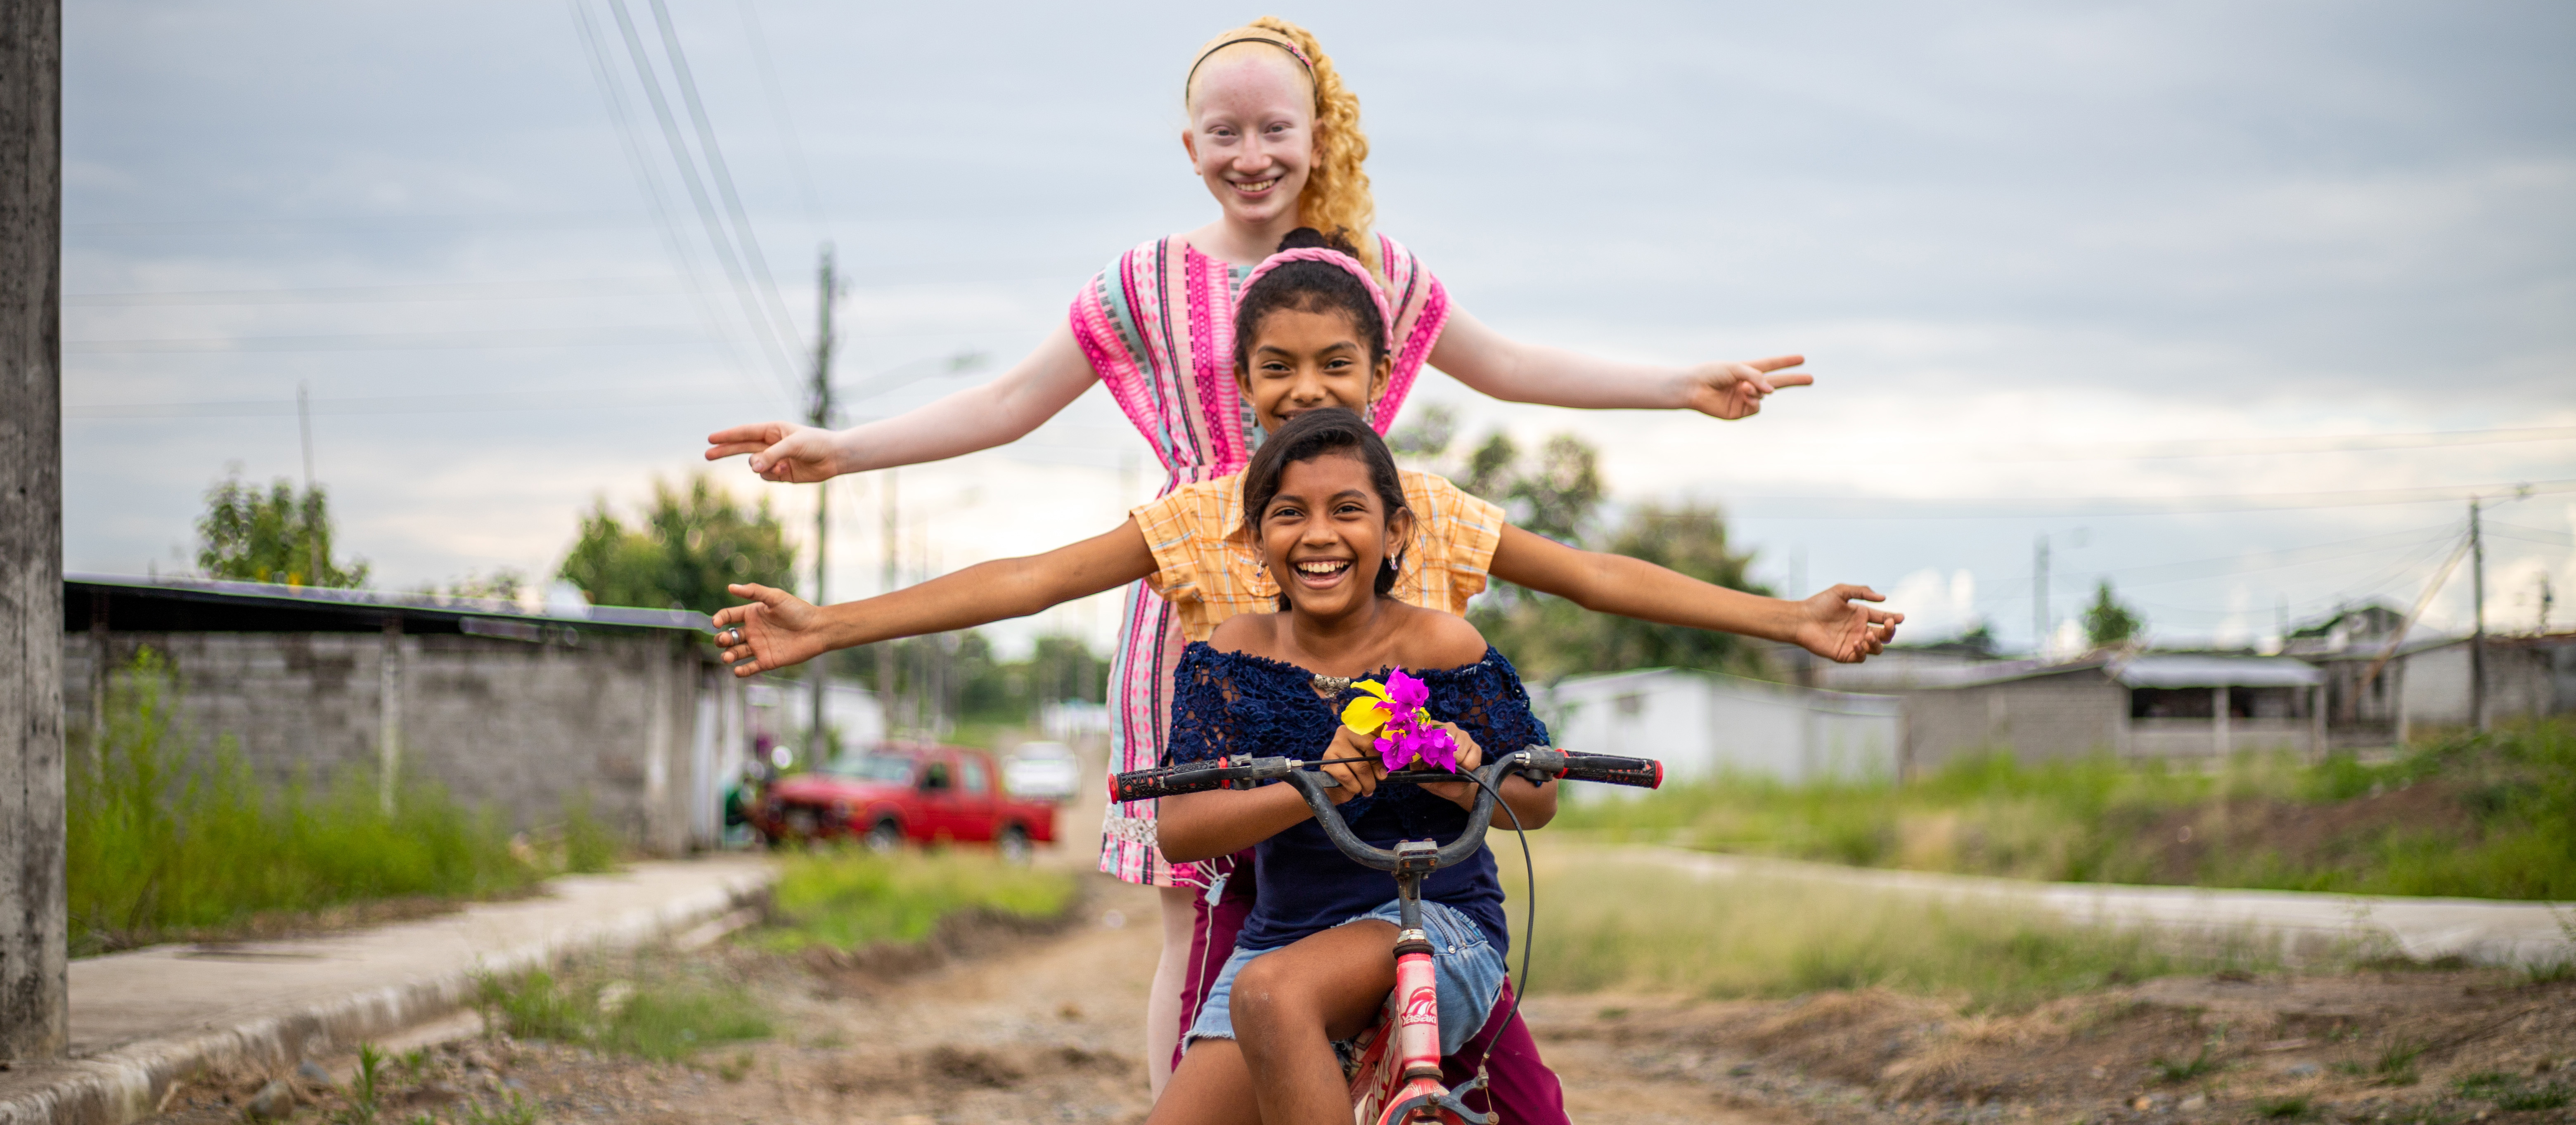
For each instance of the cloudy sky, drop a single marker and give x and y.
(2234, 303)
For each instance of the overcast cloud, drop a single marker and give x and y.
(2108, 273)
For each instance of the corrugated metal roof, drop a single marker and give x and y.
(2184, 670)
(378, 603)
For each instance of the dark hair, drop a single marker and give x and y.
(1314, 287)
(1314, 434)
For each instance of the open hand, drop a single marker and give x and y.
(776, 630)
(1732, 389)
(781, 451)
(1834, 625)
(1358, 779)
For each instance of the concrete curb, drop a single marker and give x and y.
(128, 1081)
(2483, 931)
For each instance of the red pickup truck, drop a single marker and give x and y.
(894, 793)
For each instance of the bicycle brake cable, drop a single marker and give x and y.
(1529, 919)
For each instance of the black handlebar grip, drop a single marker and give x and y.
(1166, 781)
(1644, 773)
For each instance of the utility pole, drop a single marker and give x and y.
(2478, 631)
(35, 1015)
(887, 578)
(821, 418)
(312, 533)
(2039, 598)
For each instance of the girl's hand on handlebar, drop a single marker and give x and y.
(1357, 779)
(777, 629)
(1470, 756)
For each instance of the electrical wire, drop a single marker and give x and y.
(744, 237)
(752, 30)
(596, 51)
(754, 316)
(604, 336)
(2067, 507)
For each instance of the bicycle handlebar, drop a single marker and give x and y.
(1538, 764)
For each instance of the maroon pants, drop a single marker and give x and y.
(1521, 1087)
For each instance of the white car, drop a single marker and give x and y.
(1044, 771)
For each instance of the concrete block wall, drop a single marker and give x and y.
(640, 722)
(2067, 715)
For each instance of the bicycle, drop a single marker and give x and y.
(1395, 1079)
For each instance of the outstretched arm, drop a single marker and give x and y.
(1829, 624)
(977, 418)
(778, 628)
(1514, 371)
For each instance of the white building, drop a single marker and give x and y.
(1704, 724)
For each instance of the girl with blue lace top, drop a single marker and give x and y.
(1315, 960)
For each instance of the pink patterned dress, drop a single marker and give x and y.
(1158, 327)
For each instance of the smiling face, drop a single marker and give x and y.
(1301, 360)
(1325, 532)
(1252, 132)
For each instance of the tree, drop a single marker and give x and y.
(691, 545)
(248, 536)
(1692, 540)
(1556, 497)
(2107, 622)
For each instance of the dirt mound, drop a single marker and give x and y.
(2429, 1043)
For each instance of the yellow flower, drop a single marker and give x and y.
(1365, 714)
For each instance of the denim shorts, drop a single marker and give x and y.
(1469, 976)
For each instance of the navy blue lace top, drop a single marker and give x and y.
(1234, 704)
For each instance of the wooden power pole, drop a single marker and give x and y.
(822, 419)
(34, 1012)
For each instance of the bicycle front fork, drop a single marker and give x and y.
(1421, 1097)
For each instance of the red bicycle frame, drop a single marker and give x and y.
(1396, 1078)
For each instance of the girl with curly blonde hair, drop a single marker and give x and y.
(1274, 134)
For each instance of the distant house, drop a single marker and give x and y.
(2151, 705)
(1704, 724)
(2425, 681)
(508, 708)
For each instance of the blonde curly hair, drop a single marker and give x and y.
(1336, 199)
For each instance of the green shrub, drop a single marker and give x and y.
(657, 1011)
(1608, 926)
(160, 843)
(2098, 819)
(851, 897)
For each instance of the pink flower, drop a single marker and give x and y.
(1405, 731)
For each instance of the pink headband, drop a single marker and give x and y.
(1329, 256)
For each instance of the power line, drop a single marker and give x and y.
(610, 336)
(385, 294)
(590, 398)
(744, 237)
(786, 122)
(2067, 507)
(2235, 447)
(484, 291)
(753, 314)
(672, 242)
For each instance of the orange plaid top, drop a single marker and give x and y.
(1207, 568)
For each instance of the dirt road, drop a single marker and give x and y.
(1048, 1029)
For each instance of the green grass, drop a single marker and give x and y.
(162, 843)
(2396, 1064)
(2184, 1070)
(2496, 818)
(2284, 1108)
(1607, 926)
(849, 898)
(644, 1007)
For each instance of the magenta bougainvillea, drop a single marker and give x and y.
(1405, 733)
